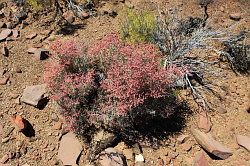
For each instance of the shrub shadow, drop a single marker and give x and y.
(155, 120)
(69, 29)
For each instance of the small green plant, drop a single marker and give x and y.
(35, 4)
(138, 26)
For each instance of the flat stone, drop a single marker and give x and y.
(186, 146)
(139, 158)
(31, 50)
(200, 160)
(41, 53)
(33, 94)
(4, 159)
(4, 34)
(243, 141)
(70, 149)
(2, 24)
(31, 36)
(235, 16)
(204, 122)
(182, 138)
(84, 15)
(211, 145)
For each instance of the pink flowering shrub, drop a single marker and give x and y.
(109, 83)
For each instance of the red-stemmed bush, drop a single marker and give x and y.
(108, 84)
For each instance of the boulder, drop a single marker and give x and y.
(211, 145)
(34, 94)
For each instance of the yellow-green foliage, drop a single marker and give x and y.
(35, 4)
(138, 26)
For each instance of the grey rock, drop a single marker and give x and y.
(15, 33)
(110, 157)
(41, 53)
(34, 94)
(4, 34)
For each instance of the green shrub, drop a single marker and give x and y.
(138, 26)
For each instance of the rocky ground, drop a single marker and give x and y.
(24, 107)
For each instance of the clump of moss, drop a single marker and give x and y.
(138, 26)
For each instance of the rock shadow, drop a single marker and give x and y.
(29, 130)
(42, 103)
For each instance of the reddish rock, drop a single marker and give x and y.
(18, 122)
(200, 160)
(84, 15)
(57, 126)
(70, 149)
(186, 146)
(69, 16)
(204, 121)
(31, 36)
(15, 33)
(31, 50)
(182, 138)
(211, 145)
(4, 80)
(243, 141)
(4, 159)
(4, 34)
